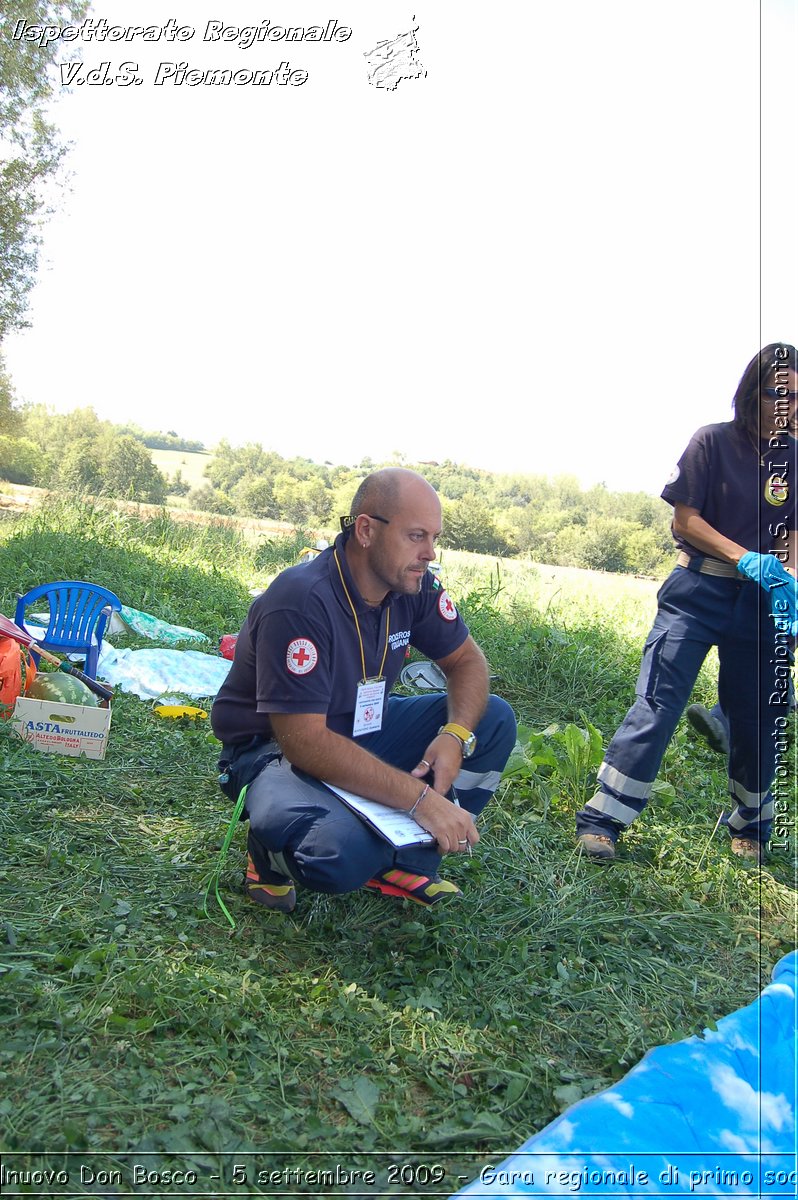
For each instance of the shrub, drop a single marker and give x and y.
(20, 460)
(209, 499)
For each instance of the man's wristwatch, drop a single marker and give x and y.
(464, 736)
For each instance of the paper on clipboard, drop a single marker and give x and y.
(391, 823)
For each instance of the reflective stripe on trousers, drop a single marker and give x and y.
(695, 612)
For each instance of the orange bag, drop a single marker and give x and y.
(17, 672)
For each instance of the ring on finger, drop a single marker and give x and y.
(424, 763)
(462, 842)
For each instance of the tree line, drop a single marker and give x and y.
(75, 452)
(552, 520)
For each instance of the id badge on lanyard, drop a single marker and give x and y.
(370, 697)
(369, 705)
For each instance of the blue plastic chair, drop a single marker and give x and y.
(79, 614)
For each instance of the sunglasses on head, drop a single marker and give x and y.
(348, 522)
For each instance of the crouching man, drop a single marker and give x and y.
(307, 699)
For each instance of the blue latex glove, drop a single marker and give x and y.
(768, 572)
(764, 569)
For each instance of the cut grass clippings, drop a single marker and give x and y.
(133, 1024)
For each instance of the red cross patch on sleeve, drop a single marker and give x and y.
(301, 656)
(446, 607)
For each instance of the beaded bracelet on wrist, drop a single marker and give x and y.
(411, 812)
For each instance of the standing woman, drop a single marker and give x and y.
(734, 494)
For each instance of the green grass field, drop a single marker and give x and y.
(191, 466)
(140, 1029)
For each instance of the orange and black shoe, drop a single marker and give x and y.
(421, 889)
(280, 896)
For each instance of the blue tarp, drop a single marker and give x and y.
(708, 1116)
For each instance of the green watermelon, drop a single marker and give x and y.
(62, 688)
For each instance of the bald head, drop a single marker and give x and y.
(396, 520)
(385, 493)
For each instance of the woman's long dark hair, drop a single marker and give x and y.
(760, 373)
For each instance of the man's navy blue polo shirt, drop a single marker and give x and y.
(299, 652)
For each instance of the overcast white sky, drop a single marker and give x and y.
(547, 255)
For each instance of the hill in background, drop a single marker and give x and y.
(548, 519)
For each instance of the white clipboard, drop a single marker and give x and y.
(391, 823)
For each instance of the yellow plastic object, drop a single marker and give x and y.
(180, 710)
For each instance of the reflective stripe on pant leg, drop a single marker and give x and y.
(620, 798)
(674, 651)
(414, 722)
(746, 817)
(480, 775)
(634, 755)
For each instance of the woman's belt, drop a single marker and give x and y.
(709, 566)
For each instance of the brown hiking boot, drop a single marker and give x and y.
(747, 848)
(596, 845)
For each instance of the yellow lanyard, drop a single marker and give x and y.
(357, 624)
